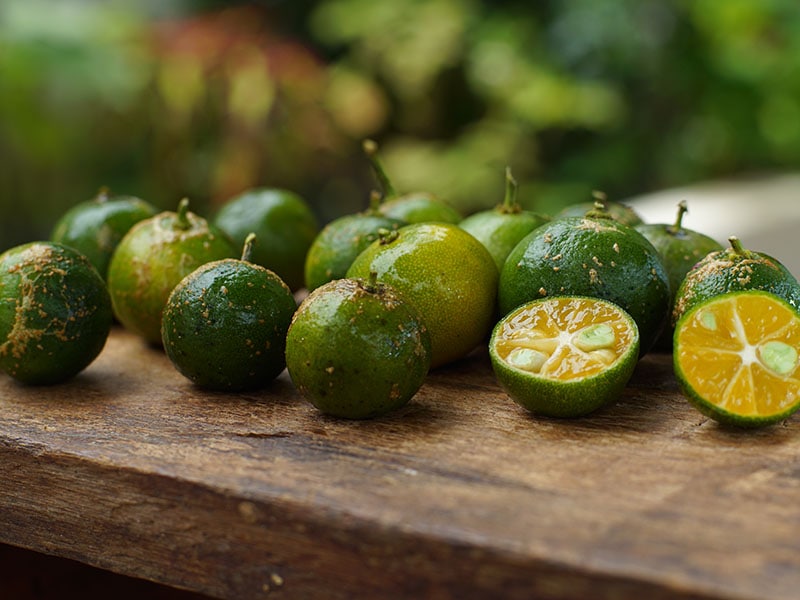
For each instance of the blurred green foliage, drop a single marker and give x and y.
(202, 99)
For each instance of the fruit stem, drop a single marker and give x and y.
(103, 194)
(371, 285)
(600, 209)
(371, 150)
(183, 209)
(682, 210)
(387, 236)
(375, 200)
(737, 247)
(510, 204)
(601, 197)
(247, 249)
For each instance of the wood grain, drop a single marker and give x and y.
(459, 495)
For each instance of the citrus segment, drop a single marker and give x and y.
(564, 356)
(736, 357)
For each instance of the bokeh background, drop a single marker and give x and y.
(170, 98)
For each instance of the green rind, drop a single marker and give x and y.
(619, 212)
(558, 399)
(94, 228)
(680, 251)
(55, 313)
(224, 326)
(593, 257)
(500, 231)
(710, 409)
(419, 207)
(339, 243)
(284, 224)
(152, 259)
(447, 274)
(727, 271)
(356, 351)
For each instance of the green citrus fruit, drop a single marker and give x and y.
(283, 223)
(413, 207)
(447, 274)
(55, 313)
(501, 228)
(224, 325)
(564, 356)
(152, 258)
(355, 349)
(731, 269)
(680, 249)
(341, 240)
(94, 228)
(594, 256)
(737, 357)
(619, 211)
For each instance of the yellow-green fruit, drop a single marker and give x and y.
(447, 274)
(152, 259)
(55, 313)
(356, 349)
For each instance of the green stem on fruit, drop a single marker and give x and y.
(600, 209)
(375, 200)
(510, 204)
(737, 247)
(371, 285)
(247, 249)
(371, 150)
(183, 210)
(387, 236)
(682, 210)
(103, 194)
(601, 197)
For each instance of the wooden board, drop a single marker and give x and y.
(461, 494)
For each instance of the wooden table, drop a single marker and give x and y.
(460, 495)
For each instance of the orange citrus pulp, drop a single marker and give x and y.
(737, 357)
(565, 339)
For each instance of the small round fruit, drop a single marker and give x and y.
(355, 349)
(341, 241)
(501, 228)
(94, 228)
(564, 356)
(151, 260)
(737, 358)
(447, 274)
(55, 313)
(413, 207)
(680, 250)
(618, 211)
(224, 325)
(283, 223)
(594, 256)
(732, 269)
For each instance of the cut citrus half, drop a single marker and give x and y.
(564, 356)
(737, 358)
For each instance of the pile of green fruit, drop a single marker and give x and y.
(566, 304)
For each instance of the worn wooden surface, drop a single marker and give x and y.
(459, 495)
